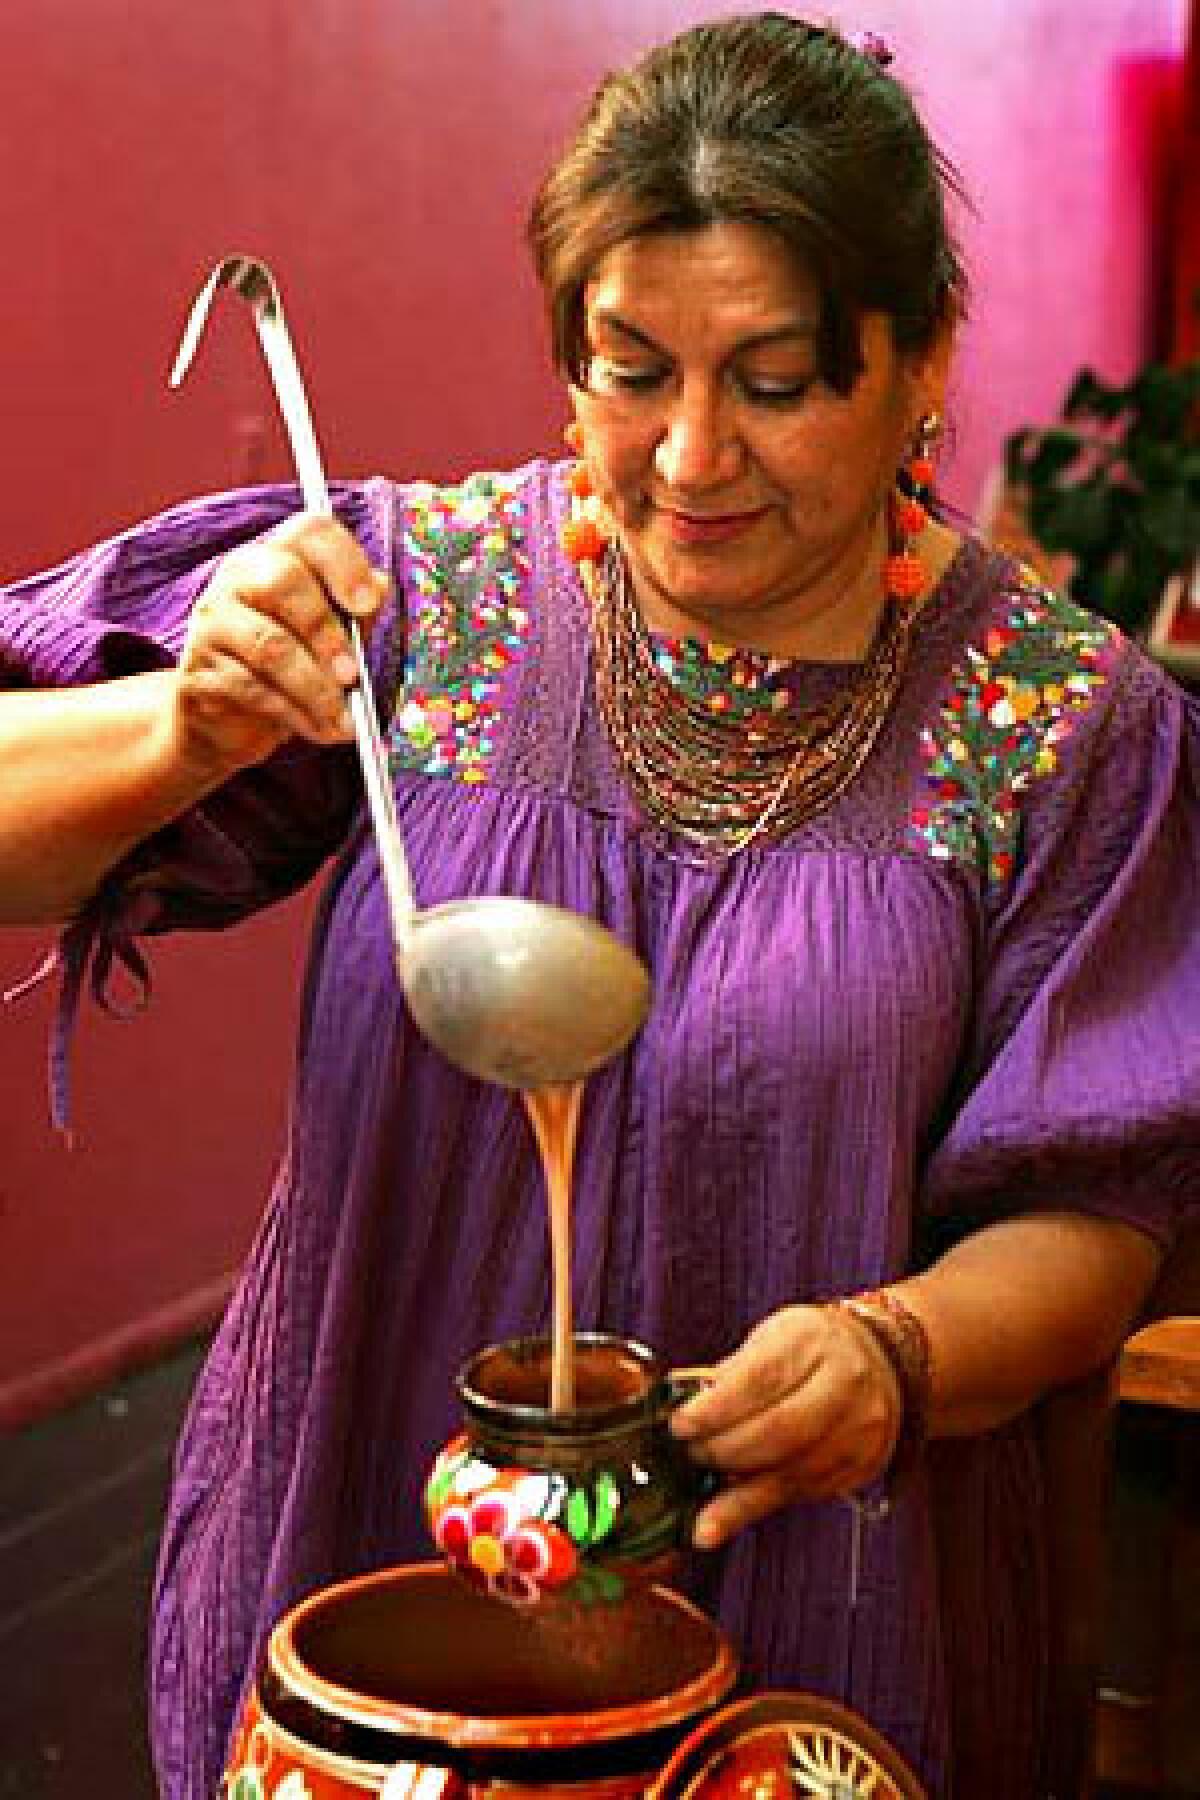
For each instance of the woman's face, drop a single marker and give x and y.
(738, 481)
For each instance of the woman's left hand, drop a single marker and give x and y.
(807, 1408)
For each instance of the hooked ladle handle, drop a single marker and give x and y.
(253, 280)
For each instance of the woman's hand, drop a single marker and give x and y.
(266, 657)
(808, 1407)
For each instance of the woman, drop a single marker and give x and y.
(883, 818)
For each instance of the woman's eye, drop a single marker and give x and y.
(775, 393)
(607, 374)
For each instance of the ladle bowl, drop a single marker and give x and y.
(521, 993)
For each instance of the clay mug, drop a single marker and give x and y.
(409, 1684)
(532, 1505)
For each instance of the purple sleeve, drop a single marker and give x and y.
(1082, 1084)
(122, 608)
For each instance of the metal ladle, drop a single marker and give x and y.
(511, 990)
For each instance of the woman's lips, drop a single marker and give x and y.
(708, 528)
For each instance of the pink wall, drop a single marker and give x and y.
(381, 157)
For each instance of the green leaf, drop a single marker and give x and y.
(1076, 518)
(1093, 398)
(609, 1586)
(1015, 457)
(1170, 521)
(596, 1587)
(1119, 598)
(579, 1517)
(1123, 498)
(606, 1501)
(1164, 398)
(1154, 463)
(1055, 452)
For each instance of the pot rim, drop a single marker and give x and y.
(515, 1731)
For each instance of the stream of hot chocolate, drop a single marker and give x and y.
(554, 1115)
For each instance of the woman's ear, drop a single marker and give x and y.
(934, 364)
(929, 375)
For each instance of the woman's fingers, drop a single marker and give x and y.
(336, 562)
(250, 662)
(268, 612)
(307, 575)
(275, 581)
(807, 1407)
(793, 1429)
(775, 1359)
(746, 1502)
(742, 1503)
(268, 655)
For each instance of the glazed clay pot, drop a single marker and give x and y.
(411, 1685)
(533, 1505)
(785, 1746)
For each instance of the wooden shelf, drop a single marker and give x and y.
(1160, 1365)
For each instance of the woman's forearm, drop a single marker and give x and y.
(85, 774)
(1022, 1306)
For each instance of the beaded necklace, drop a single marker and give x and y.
(720, 781)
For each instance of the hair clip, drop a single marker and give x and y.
(871, 45)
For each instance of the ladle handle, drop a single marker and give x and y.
(302, 438)
(253, 280)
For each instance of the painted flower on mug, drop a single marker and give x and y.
(520, 1533)
(498, 1538)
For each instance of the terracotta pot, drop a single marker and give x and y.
(533, 1505)
(411, 1685)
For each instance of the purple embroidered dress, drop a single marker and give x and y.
(968, 989)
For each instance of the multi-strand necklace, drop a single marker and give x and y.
(726, 778)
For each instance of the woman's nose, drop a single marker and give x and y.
(698, 446)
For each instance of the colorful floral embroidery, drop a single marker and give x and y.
(468, 621)
(1012, 705)
(517, 1533)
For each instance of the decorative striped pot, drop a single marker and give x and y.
(412, 1685)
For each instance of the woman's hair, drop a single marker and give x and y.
(773, 121)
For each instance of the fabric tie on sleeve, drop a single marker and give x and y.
(86, 952)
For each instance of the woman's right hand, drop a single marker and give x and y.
(267, 657)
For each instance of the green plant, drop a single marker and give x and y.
(1117, 485)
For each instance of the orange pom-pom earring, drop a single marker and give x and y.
(909, 516)
(579, 480)
(905, 578)
(582, 540)
(583, 537)
(920, 469)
